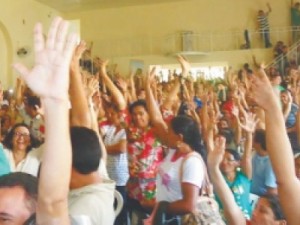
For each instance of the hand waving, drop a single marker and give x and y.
(185, 65)
(250, 122)
(49, 78)
(215, 154)
(262, 92)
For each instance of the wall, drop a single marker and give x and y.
(118, 32)
(17, 19)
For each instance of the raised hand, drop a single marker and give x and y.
(288, 100)
(121, 83)
(262, 91)
(250, 121)
(185, 65)
(91, 87)
(49, 78)
(52, 60)
(102, 64)
(77, 54)
(150, 78)
(235, 111)
(215, 154)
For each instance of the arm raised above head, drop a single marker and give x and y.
(232, 212)
(49, 78)
(278, 147)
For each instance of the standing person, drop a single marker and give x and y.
(182, 172)
(115, 141)
(145, 150)
(91, 192)
(264, 27)
(295, 20)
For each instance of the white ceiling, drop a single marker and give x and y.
(84, 5)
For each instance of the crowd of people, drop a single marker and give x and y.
(70, 139)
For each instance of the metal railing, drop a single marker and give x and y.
(286, 59)
(205, 42)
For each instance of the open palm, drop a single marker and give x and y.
(49, 78)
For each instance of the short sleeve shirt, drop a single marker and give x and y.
(168, 178)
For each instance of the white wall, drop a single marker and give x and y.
(17, 19)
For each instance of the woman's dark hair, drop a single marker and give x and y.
(228, 134)
(7, 142)
(113, 106)
(234, 153)
(31, 220)
(137, 103)
(275, 206)
(189, 129)
(260, 138)
(183, 109)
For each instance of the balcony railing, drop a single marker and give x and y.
(189, 41)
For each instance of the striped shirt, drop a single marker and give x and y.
(263, 22)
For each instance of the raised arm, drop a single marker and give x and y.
(19, 92)
(79, 112)
(232, 212)
(269, 8)
(116, 93)
(287, 105)
(154, 112)
(49, 78)
(279, 148)
(248, 126)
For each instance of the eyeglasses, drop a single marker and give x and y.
(229, 160)
(19, 134)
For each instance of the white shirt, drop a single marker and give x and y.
(30, 164)
(168, 178)
(117, 165)
(94, 201)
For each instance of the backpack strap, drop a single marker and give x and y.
(206, 186)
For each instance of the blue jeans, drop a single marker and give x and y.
(266, 38)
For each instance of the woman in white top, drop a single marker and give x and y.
(179, 188)
(18, 145)
(177, 185)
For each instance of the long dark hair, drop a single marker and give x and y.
(189, 129)
(7, 142)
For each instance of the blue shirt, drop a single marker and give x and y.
(291, 119)
(4, 164)
(263, 176)
(240, 188)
